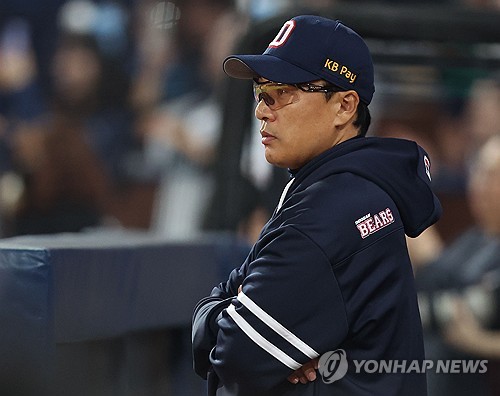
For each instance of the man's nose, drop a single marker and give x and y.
(263, 112)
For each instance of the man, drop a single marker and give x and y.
(329, 279)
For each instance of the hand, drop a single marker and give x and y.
(305, 374)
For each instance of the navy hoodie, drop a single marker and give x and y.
(329, 272)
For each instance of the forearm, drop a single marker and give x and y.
(204, 331)
(204, 326)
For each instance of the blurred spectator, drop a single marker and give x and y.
(21, 102)
(181, 132)
(72, 159)
(468, 268)
(90, 89)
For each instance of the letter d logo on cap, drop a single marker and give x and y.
(283, 34)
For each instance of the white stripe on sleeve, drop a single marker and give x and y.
(261, 341)
(276, 326)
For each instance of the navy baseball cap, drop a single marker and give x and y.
(309, 48)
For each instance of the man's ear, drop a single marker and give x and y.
(349, 101)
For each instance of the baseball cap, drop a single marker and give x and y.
(309, 48)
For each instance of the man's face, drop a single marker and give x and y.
(296, 133)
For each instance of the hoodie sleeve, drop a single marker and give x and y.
(277, 323)
(204, 327)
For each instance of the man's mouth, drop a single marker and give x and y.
(266, 137)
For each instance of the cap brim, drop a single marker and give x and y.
(266, 66)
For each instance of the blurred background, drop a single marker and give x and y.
(116, 115)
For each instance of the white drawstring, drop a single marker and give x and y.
(283, 194)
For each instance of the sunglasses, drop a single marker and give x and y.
(278, 95)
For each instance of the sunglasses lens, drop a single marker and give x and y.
(268, 99)
(275, 95)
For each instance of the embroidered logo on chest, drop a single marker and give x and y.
(368, 224)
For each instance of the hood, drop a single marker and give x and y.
(400, 167)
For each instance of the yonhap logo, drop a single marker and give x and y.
(332, 366)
